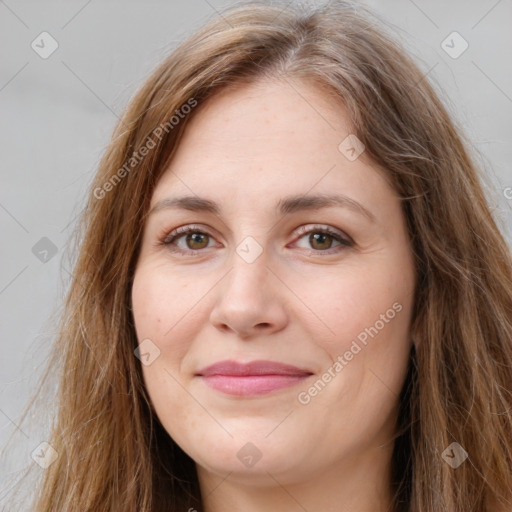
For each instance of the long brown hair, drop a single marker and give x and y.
(113, 452)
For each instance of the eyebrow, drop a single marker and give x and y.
(287, 205)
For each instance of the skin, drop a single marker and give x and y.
(246, 149)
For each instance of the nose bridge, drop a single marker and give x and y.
(247, 300)
(249, 274)
(250, 256)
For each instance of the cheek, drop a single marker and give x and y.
(365, 332)
(354, 303)
(369, 312)
(162, 306)
(156, 312)
(163, 314)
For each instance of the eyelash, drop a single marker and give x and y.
(168, 239)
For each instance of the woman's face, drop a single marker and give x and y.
(259, 279)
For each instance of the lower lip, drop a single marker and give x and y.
(252, 385)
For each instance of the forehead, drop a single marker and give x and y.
(268, 140)
(271, 110)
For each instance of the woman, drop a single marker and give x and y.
(290, 292)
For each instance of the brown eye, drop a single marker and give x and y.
(196, 240)
(321, 241)
(187, 239)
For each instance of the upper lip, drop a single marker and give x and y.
(261, 367)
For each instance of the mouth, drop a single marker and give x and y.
(251, 379)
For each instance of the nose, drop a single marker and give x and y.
(250, 300)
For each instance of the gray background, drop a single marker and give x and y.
(58, 114)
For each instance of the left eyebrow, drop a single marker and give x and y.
(294, 204)
(285, 206)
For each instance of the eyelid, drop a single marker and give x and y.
(187, 228)
(309, 228)
(168, 237)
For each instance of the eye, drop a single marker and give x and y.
(190, 239)
(322, 238)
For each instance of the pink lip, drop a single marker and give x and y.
(251, 379)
